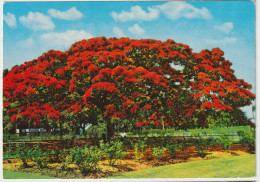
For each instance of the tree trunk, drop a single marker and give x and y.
(61, 131)
(84, 126)
(163, 125)
(104, 138)
(30, 130)
(77, 131)
(110, 130)
(20, 131)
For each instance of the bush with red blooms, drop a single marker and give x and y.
(124, 82)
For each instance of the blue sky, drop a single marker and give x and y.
(31, 28)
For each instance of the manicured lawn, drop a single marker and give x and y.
(17, 175)
(228, 167)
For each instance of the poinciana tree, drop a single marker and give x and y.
(31, 92)
(215, 89)
(124, 82)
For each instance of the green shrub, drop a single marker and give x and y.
(39, 157)
(185, 143)
(172, 149)
(9, 152)
(200, 144)
(201, 149)
(139, 149)
(225, 141)
(24, 153)
(158, 152)
(96, 131)
(113, 151)
(9, 148)
(247, 138)
(92, 156)
(57, 155)
(137, 156)
(142, 145)
(66, 162)
(86, 159)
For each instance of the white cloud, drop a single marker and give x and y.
(10, 20)
(136, 30)
(178, 9)
(70, 14)
(225, 27)
(226, 40)
(118, 32)
(25, 43)
(37, 21)
(63, 39)
(136, 13)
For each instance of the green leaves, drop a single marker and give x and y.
(113, 151)
(247, 138)
(158, 152)
(225, 141)
(19, 117)
(15, 104)
(86, 158)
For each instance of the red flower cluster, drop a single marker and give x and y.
(110, 109)
(36, 114)
(101, 86)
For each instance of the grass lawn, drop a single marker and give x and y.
(227, 167)
(16, 175)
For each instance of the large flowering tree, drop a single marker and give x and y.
(123, 83)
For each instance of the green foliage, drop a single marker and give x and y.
(172, 149)
(158, 152)
(39, 157)
(75, 155)
(139, 149)
(113, 151)
(56, 155)
(96, 131)
(10, 153)
(9, 148)
(8, 126)
(184, 143)
(66, 162)
(247, 138)
(212, 131)
(225, 141)
(201, 149)
(137, 156)
(86, 159)
(219, 119)
(91, 156)
(142, 145)
(200, 144)
(24, 153)
(153, 132)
